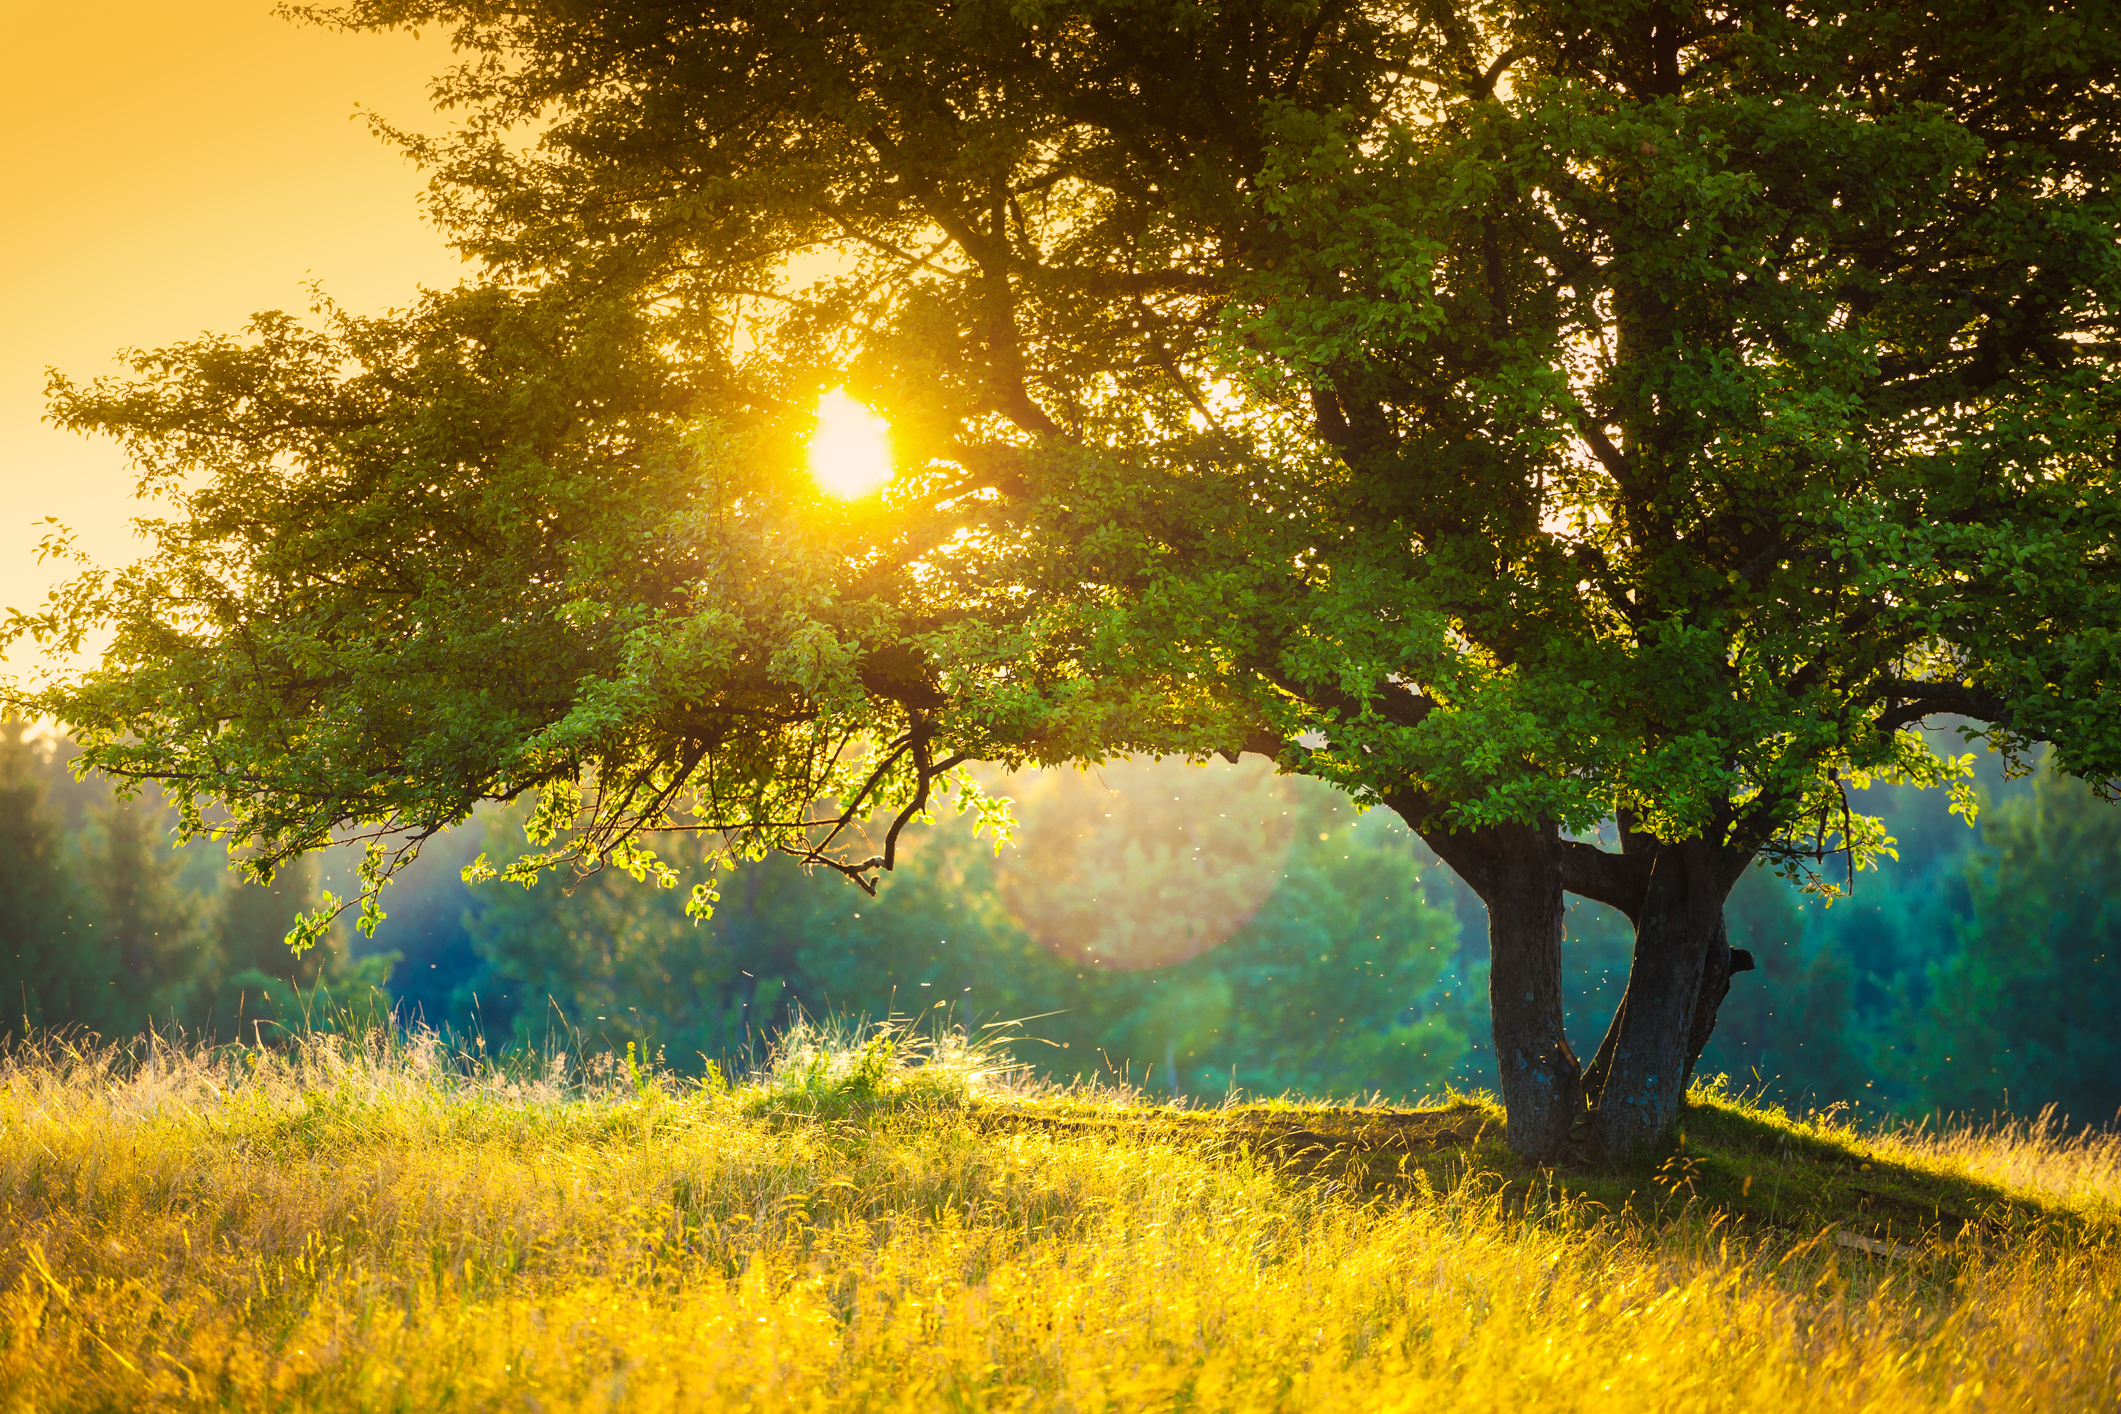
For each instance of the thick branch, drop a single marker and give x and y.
(1618, 880)
(1609, 456)
(1924, 698)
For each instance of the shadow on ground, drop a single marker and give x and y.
(1727, 1163)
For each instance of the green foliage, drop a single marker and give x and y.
(259, 982)
(1644, 374)
(1966, 976)
(1330, 986)
(110, 931)
(55, 970)
(627, 965)
(146, 921)
(1600, 432)
(1522, 415)
(1859, 1002)
(2022, 1010)
(1792, 1030)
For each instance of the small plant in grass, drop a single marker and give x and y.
(840, 1066)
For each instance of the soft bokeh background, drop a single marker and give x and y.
(1191, 928)
(169, 169)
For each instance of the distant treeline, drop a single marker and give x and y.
(103, 927)
(1975, 974)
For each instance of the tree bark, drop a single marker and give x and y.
(1516, 870)
(1674, 895)
(1716, 972)
(1679, 977)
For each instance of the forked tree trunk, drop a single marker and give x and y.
(1516, 870)
(1677, 980)
(1674, 895)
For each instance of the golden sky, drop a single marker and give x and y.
(171, 168)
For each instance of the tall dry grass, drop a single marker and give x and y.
(376, 1225)
(2045, 1158)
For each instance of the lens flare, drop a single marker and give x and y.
(1143, 863)
(850, 452)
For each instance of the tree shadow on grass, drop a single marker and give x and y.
(1728, 1164)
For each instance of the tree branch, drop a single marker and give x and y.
(1925, 698)
(1618, 880)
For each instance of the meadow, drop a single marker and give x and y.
(883, 1220)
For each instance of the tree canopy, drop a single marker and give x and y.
(1521, 415)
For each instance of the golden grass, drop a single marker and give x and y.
(347, 1226)
(2039, 1157)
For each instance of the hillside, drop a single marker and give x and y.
(892, 1224)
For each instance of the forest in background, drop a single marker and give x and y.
(1226, 929)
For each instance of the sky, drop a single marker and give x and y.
(170, 169)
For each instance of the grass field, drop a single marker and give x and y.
(889, 1224)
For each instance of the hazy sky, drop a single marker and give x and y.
(171, 168)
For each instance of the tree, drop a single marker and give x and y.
(2025, 1005)
(145, 925)
(627, 965)
(1519, 415)
(1316, 988)
(54, 968)
(1794, 1036)
(1803, 298)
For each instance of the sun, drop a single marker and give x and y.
(850, 453)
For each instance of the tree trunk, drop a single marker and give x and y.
(1721, 964)
(1677, 981)
(1516, 870)
(1716, 970)
(1674, 895)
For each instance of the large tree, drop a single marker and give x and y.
(1520, 415)
(1776, 352)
